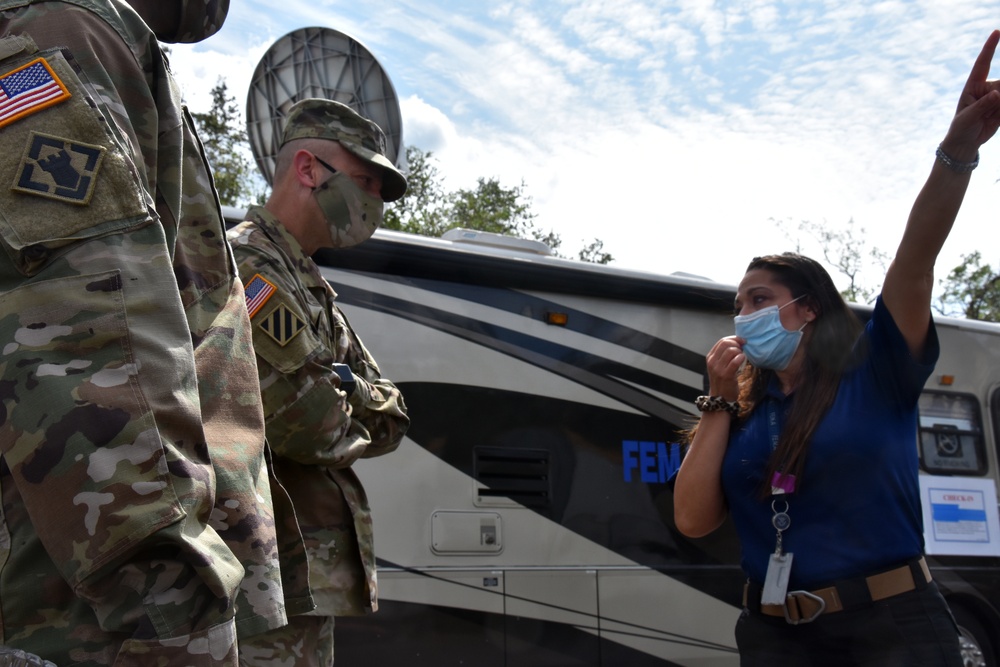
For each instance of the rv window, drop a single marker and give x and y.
(995, 416)
(951, 434)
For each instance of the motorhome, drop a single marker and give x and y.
(526, 518)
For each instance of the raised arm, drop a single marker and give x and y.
(910, 278)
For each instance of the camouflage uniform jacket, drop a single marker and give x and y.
(136, 501)
(313, 431)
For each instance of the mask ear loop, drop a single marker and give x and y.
(801, 296)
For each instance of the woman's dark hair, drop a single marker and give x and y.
(829, 350)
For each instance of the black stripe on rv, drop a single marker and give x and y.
(531, 307)
(603, 375)
(461, 634)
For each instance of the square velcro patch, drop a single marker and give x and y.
(59, 168)
(282, 325)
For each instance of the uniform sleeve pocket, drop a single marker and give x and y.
(75, 429)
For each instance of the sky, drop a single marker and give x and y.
(687, 135)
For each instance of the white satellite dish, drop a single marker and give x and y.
(318, 62)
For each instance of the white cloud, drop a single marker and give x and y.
(674, 130)
(426, 126)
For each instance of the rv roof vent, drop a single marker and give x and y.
(496, 240)
(512, 476)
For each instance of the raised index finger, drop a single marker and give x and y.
(982, 67)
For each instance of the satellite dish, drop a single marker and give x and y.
(318, 62)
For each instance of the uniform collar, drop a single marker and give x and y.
(301, 263)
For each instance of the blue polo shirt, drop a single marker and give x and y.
(856, 508)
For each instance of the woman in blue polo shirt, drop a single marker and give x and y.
(808, 440)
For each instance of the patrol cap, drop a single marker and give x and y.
(325, 119)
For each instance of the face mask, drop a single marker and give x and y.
(352, 215)
(769, 345)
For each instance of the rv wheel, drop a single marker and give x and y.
(977, 649)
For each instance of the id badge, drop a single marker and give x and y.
(779, 568)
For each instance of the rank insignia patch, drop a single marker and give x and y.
(59, 168)
(282, 325)
(28, 89)
(257, 292)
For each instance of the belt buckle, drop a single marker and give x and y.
(794, 596)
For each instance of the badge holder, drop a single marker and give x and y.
(779, 567)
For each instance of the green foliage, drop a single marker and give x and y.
(427, 209)
(971, 289)
(226, 147)
(847, 252)
(595, 253)
(422, 210)
(491, 207)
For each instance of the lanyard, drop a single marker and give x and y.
(779, 565)
(781, 483)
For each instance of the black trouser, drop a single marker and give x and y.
(914, 629)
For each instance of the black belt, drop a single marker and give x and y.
(807, 606)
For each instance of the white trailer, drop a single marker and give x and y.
(526, 519)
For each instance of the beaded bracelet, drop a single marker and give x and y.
(955, 165)
(717, 404)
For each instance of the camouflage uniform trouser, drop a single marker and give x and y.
(307, 641)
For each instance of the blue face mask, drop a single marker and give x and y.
(768, 345)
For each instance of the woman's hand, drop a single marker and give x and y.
(909, 282)
(978, 114)
(723, 363)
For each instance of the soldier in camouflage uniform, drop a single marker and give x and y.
(137, 525)
(325, 401)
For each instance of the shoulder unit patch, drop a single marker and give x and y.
(59, 168)
(28, 89)
(282, 325)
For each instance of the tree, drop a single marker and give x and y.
(491, 207)
(428, 210)
(226, 146)
(971, 289)
(845, 251)
(595, 253)
(422, 210)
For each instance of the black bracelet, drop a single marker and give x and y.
(955, 165)
(717, 404)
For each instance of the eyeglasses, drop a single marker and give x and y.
(322, 162)
(364, 182)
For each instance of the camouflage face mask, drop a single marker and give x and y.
(352, 214)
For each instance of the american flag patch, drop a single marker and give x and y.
(257, 292)
(28, 89)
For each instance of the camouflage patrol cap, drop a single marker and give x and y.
(326, 119)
